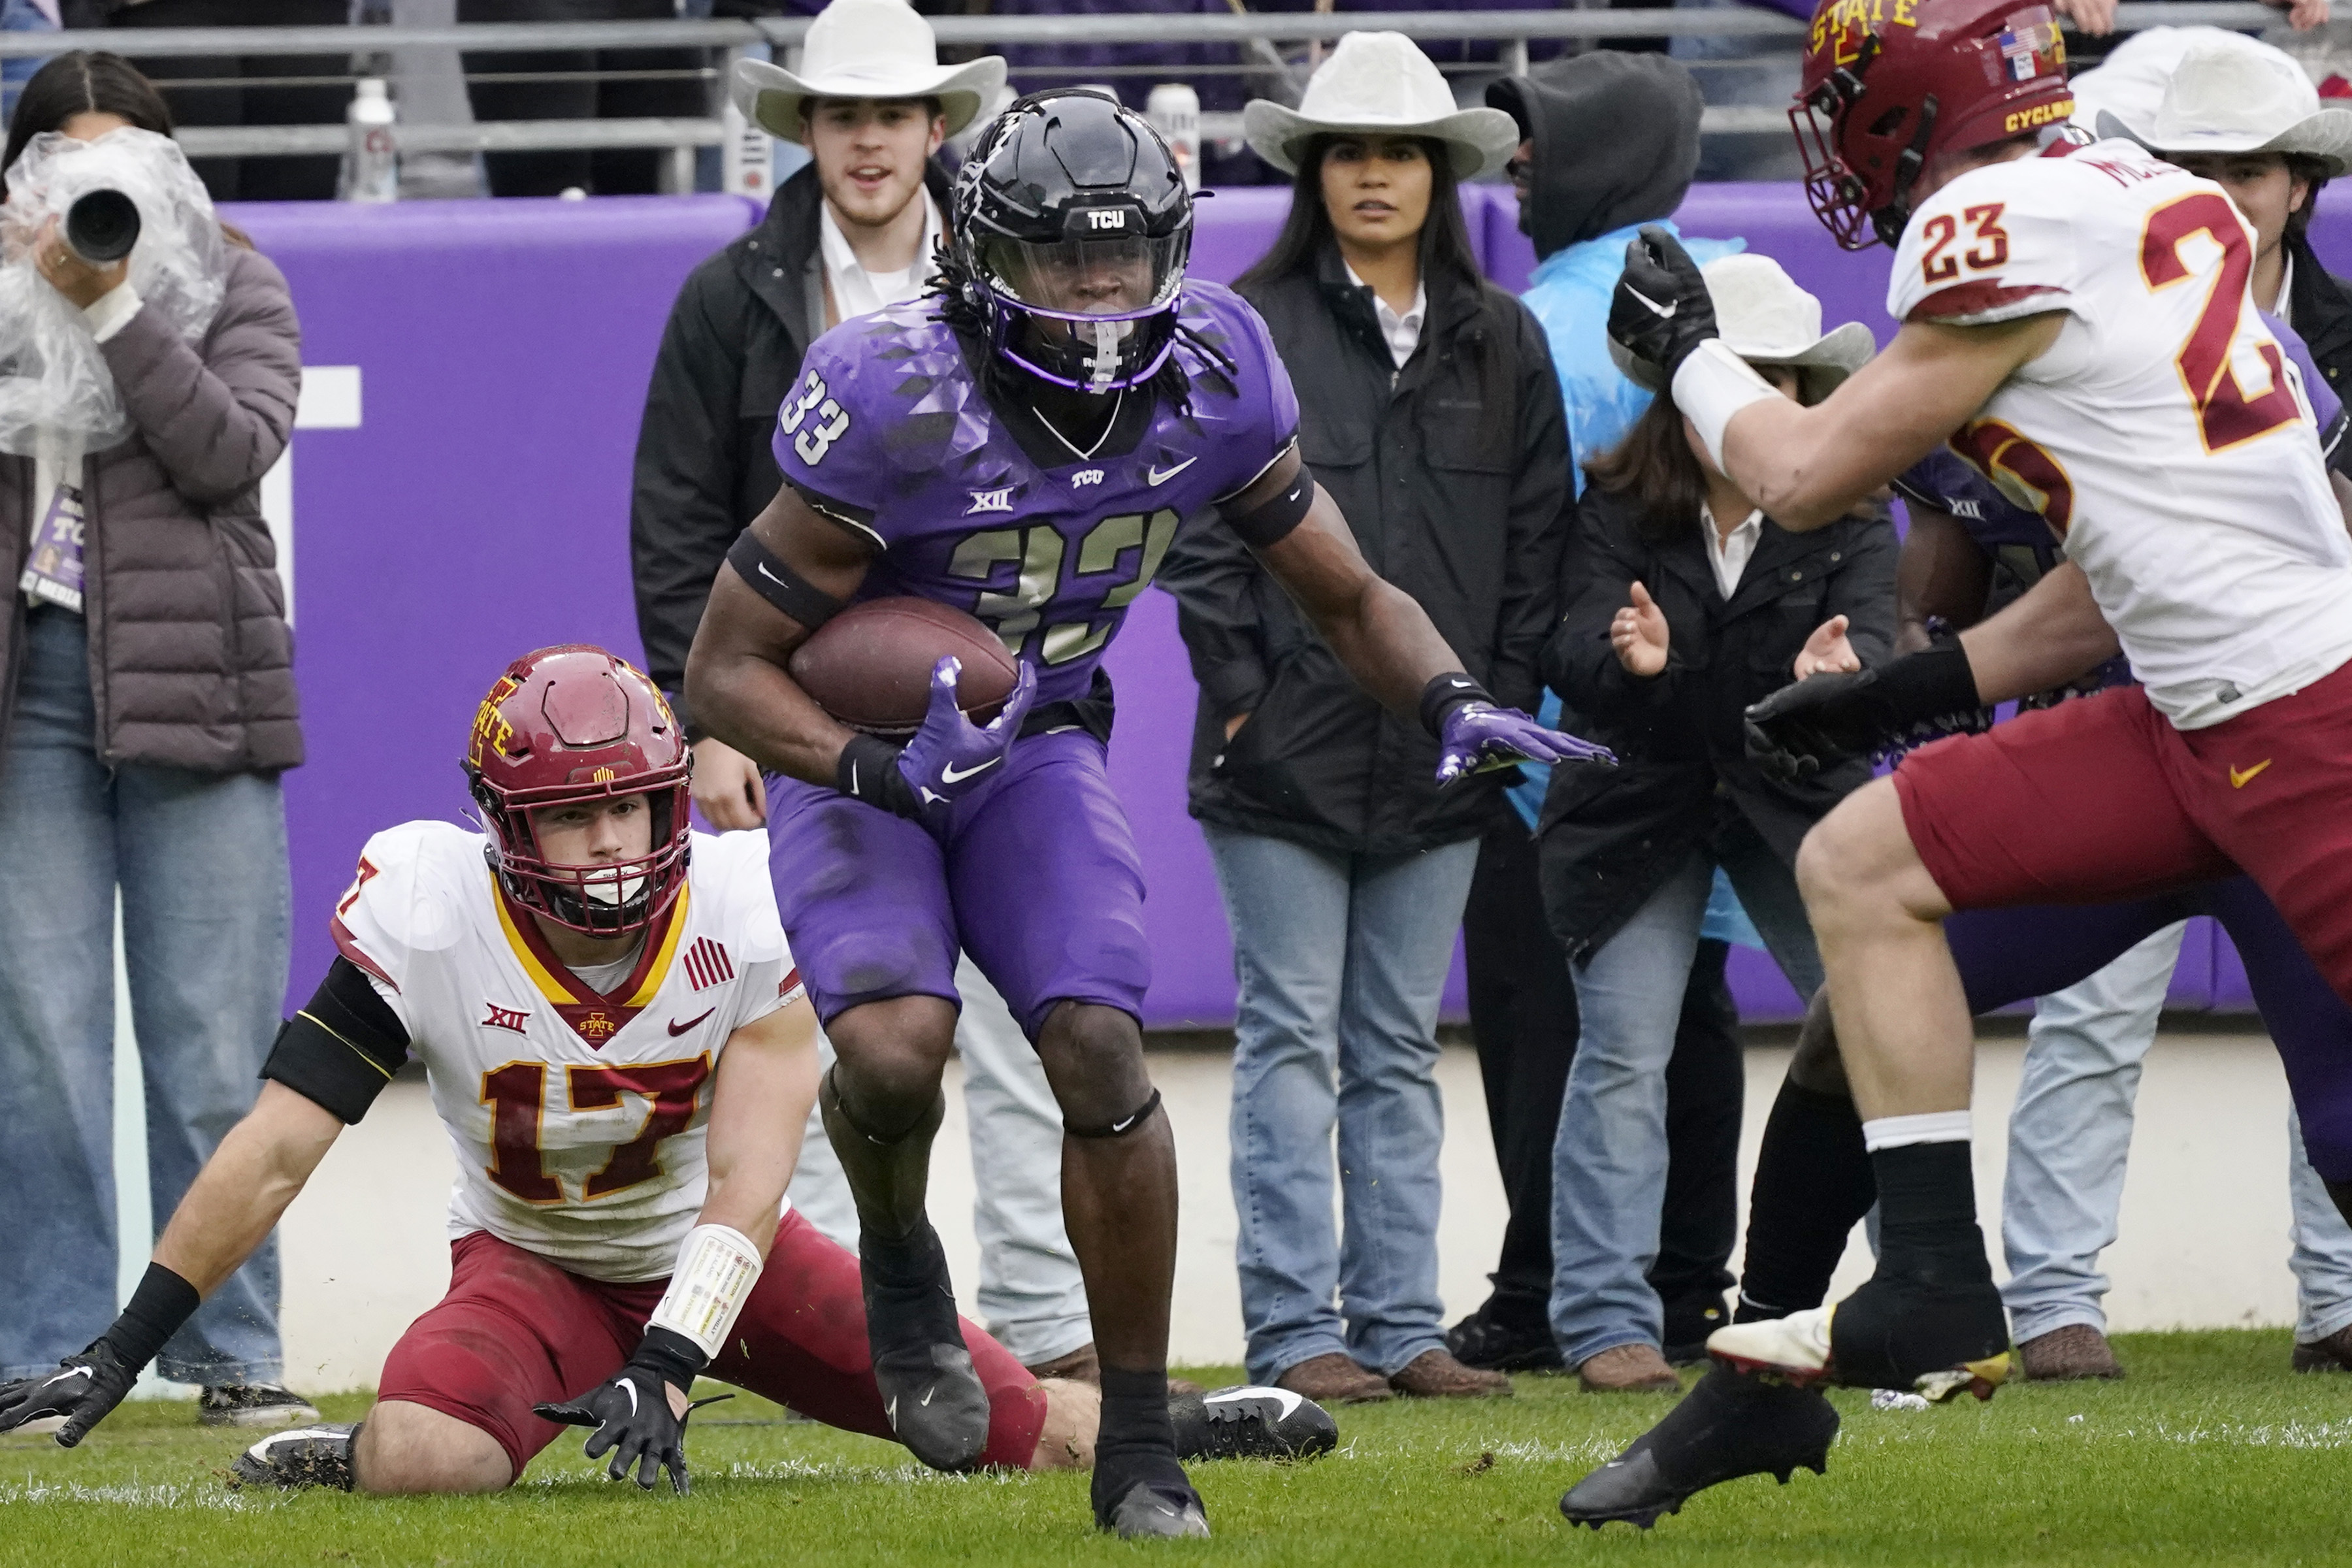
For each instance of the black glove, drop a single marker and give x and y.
(86, 1386)
(1824, 720)
(82, 1390)
(631, 1412)
(1661, 310)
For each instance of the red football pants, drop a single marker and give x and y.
(516, 1331)
(2101, 799)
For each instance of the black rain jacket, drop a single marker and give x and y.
(1682, 751)
(1452, 474)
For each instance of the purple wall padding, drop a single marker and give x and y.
(481, 510)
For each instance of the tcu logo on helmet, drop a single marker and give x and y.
(1108, 218)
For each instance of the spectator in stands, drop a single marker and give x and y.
(1429, 410)
(1682, 604)
(147, 707)
(250, 90)
(579, 84)
(1584, 187)
(869, 95)
(22, 17)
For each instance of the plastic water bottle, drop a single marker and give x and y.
(1174, 110)
(371, 166)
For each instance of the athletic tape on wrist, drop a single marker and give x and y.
(717, 1267)
(1712, 384)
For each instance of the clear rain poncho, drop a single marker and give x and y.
(58, 398)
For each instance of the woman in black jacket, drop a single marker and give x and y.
(1682, 605)
(1430, 411)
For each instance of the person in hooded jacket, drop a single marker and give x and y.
(1584, 188)
(1429, 410)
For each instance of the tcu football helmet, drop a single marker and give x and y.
(569, 724)
(1072, 228)
(1891, 84)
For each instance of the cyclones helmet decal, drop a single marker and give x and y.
(1889, 85)
(569, 724)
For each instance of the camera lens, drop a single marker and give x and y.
(102, 225)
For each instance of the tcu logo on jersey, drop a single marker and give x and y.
(1108, 218)
(504, 1018)
(1085, 476)
(832, 419)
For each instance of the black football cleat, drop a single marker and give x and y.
(1245, 1423)
(297, 1457)
(1731, 1425)
(930, 1392)
(1143, 1495)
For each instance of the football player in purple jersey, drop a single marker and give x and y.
(1023, 448)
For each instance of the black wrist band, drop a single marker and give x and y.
(868, 771)
(1443, 695)
(1934, 683)
(161, 1303)
(670, 1356)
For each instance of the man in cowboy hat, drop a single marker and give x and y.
(854, 230)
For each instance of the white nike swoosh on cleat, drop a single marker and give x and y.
(1667, 311)
(891, 1412)
(926, 1395)
(947, 774)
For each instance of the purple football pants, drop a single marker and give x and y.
(2010, 955)
(1035, 874)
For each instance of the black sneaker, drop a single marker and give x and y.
(1479, 1341)
(305, 1457)
(1244, 1423)
(253, 1405)
(930, 1392)
(1142, 1494)
(1731, 1425)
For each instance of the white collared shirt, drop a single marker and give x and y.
(1402, 333)
(856, 291)
(2279, 307)
(1728, 552)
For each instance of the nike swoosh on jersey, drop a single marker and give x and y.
(1157, 475)
(2241, 780)
(677, 1028)
(947, 774)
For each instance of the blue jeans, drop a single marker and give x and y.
(1340, 959)
(19, 16)
(201, 862)
(1609, 1159)
(2068, 1137)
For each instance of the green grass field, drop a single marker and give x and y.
(2212, 1451)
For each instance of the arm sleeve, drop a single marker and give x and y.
(683, 484)
(343, 1047)
(216, 415)
(1996, 245)
(1537, 530)
(1212, 575)
(1578, 661)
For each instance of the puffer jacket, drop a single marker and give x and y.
(191, 659)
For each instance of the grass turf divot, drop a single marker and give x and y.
(2210, 1450)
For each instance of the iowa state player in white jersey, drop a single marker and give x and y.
(2079, 326)
(620, 1048)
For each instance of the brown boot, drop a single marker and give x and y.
(1080, 1365)
(1628, 1369)
(1435, 1375)
(2065, 1353)
(2333, 1353)
(1333, 1379)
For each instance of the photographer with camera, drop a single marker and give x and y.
(147, 707)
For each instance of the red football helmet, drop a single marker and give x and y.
(1890, 84)
(575, 723)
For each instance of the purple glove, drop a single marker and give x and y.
(1479, 737)
(950, 753)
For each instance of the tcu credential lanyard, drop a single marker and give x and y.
(52, 567)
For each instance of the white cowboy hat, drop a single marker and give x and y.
(1382, 84)
(1767, 319)
(2122, 91)
(2235, 94)
(865, 48)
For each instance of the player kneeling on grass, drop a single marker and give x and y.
(619, 1044)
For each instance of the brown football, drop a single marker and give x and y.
(870, 666)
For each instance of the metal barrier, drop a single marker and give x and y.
(1514, 29)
